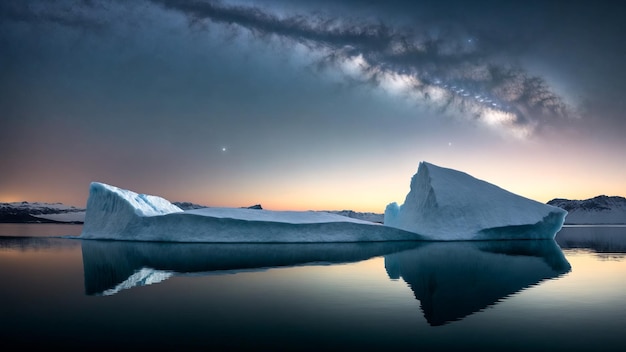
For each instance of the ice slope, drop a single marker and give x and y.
(118, 214)
(445, 204)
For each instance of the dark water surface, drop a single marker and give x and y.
(563, 295)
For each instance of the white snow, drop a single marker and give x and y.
(445, 204)
(115, 213)
(142, 204)
(289, 217)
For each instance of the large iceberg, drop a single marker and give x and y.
(442, 205)
(118, 214)
(445, 205)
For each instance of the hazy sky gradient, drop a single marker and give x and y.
(309, 105)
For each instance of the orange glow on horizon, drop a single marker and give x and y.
(10, 198)
(332, 196)
(324, 197)
(353, 186)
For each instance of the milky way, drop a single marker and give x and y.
(290, 103)
(447, 70)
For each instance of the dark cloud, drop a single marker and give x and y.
(83, 14)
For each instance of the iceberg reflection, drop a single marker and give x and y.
(455, 279)
(111, 266)
(450, 279)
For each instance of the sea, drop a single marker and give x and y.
(58, 292)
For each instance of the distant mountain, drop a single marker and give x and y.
(188, 205)
(373, 217)
(191, 206)
(598, 210)
(36, 212)
(608, 210)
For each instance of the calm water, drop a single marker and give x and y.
(566, 295)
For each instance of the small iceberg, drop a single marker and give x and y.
(118, 214)
(448, 205)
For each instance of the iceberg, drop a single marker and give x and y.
(445, 204)
(118, 214)
(442, 205)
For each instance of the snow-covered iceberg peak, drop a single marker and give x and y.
(446, 204)
(114, 199)
(110, 209)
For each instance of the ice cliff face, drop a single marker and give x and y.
(445, 204)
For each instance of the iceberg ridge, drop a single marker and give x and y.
(117, 214)
(446, 204)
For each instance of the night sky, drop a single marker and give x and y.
(309, 105)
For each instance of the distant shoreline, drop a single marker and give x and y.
(594, 225)
(45, 221)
